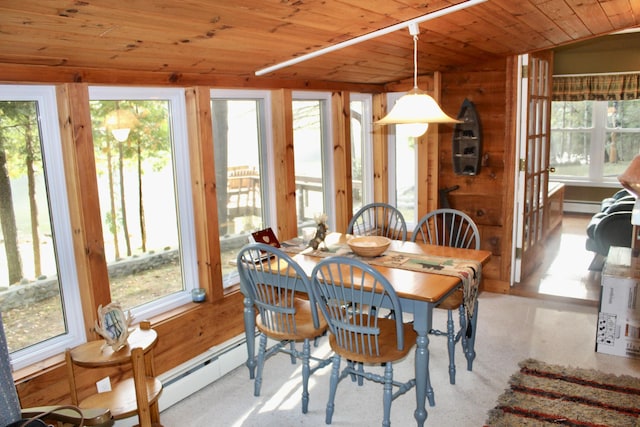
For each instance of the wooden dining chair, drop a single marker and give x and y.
(450, 227)
(273, 280)
(349, 293)
(378, 219)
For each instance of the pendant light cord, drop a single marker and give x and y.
(415, 61)
(414, 30)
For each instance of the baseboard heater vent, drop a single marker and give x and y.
(581, 206)
(180, 382)
(197, 373)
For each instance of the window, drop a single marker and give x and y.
(361, 153)
(593, 141)
(144, 184)
(403, 176)
(312, 157)
(41, 306)
(241, 145)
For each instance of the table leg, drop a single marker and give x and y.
(249, 328)
(470, 351)
(421, 323)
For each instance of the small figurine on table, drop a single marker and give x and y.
(321, 232)
(113, 325)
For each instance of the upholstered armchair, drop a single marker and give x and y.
(610, 227)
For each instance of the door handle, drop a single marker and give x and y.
(551, 170)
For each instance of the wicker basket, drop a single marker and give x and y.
(369, 246)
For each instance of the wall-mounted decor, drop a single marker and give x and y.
(467, 141)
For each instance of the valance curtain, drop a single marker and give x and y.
(597, 87)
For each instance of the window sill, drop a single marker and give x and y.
(232, 289)
(583, 183)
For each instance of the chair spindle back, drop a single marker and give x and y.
(272, 279)
(350, 293)
(378, 219)
(447, 227)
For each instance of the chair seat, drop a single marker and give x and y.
(304, 324)
(387, 341)
(453, 301)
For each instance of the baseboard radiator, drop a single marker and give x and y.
(581, 206)
(197, 373)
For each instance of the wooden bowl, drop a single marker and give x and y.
(369, 246)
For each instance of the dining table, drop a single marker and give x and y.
(420, 290)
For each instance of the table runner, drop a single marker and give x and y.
(469, 271)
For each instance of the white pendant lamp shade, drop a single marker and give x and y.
(120, 134)
(120, 122)
(416, 107)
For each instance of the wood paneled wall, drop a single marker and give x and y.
(284, 170)
(488, 196)
(341, 137)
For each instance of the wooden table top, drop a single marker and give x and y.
(422, 286)
(95, 353)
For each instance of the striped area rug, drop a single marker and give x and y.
(550, 395)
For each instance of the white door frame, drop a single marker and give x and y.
(519, 176)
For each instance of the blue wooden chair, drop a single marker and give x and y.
(378, 219)
(349, 293)
(274, 282)
(450, 227)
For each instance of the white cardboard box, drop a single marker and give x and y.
(618, 331)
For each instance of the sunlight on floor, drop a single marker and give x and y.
(288, 396)
(568, 274)
(569, 289)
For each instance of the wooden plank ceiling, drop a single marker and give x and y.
(236, 38)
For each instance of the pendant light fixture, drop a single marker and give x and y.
(416, 109)
(120, 122)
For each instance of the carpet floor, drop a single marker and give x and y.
(510, 329)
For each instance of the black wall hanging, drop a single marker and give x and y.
(467, 141)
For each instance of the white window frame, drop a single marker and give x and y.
(45, 96)
(328, 182)
(267, 175)
(182, 176)
(392, 97)
(267, 178)
(598, 131)
(598, 136)
(367, 131)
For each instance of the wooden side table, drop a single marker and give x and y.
(137, 395)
